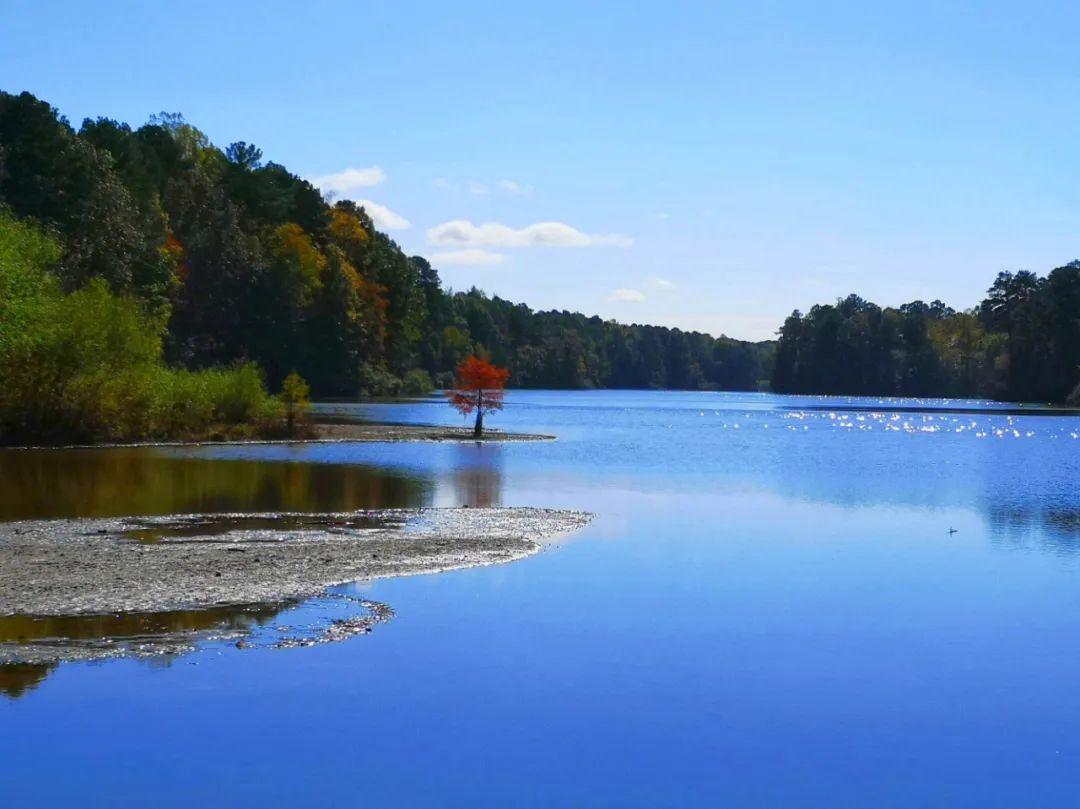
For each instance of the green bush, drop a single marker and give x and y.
(377, 381)
(87, 366)
(417, 383)
(191, 403)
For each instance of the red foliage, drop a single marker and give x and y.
(175, 252)
(479, 386)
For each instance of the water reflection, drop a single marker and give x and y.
(477, 475)
(33, 646)
(146, 481)
(132, 627)
(163, 634)
(17, 679)
(1053, 529)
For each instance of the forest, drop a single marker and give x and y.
(1021, 343)
(224, 273)
(238, 260)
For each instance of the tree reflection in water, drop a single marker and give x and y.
(166, 633)
(17, 679)
(145, 481)
(114, 482)
(34, 645)
(477, 476)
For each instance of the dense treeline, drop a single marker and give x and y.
(569, 350)
(245, 261)
(1022, 343)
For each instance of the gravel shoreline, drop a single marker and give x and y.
(332, 432)
(347, 431)
(97, 566)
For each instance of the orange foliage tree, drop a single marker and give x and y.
(478, 387)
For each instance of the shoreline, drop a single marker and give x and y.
(328, 432)
(338, 431)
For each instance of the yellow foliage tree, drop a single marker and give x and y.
(298, 255)
(294, 395)
(346, 229)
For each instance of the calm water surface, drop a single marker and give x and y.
(770, 609)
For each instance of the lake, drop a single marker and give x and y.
(782, 601)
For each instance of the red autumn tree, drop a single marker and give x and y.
(479, 386)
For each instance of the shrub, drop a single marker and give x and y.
(88, 366)
(375, 380)
(417, 383)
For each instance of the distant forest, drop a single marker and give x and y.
(241, 260)
(1022, 343)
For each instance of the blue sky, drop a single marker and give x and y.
(696, 164)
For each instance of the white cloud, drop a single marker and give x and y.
(627, 296)
(514, 188)
(479, 189)
(350, 179)
(470, 258)
(462, 233)
(661, 284)
(383, 217)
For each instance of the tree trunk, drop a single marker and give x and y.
(478, 430)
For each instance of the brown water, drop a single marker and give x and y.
(165, 636)
(27, 628)
(148, 481)
(18, 679)
(37, 484)
(93, 636)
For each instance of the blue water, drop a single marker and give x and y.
(768, 610)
